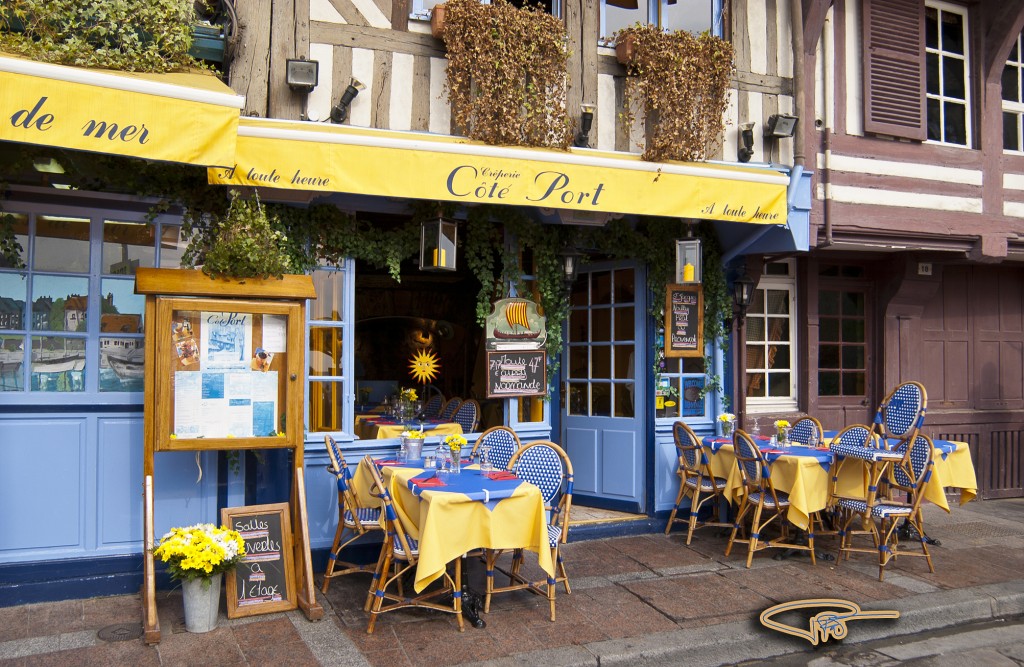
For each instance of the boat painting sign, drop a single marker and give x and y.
(515, 324)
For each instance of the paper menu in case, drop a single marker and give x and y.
(226, 341)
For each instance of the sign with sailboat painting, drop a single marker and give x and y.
(515, 324)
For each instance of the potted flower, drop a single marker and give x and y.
(455, 444)
(198, 556)
(412, 441)
(782, 430)
(728, 422)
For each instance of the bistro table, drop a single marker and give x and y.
(472, 510)
(370, 427)
(798, 470)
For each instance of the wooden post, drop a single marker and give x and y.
(303, 560)
(150, 620)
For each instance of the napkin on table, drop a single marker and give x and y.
(428, 481)
(501, 475)
(387, 462)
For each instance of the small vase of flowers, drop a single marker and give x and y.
(412, 441)
(727, 420)
(198, 556)
(455, 444)
(782, 431)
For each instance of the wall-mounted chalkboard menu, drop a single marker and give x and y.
(684, 321)
(264, 580)
(517, 374)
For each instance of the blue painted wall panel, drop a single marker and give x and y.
(619, 474)
(119, 483)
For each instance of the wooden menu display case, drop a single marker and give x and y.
(224, 371)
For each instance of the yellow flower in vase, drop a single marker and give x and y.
(455, 444)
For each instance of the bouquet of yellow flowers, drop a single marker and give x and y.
(409, 394)
(455, 443)
(781, 424)
(200, 551)
(414, 435)
(727, 417)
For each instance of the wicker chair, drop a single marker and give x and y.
(696, 482)
(354, 520)
(805, 430)
(901, 414)
(401, 549)
(502, 442)
(432, 409)
(546, 465)
(448, 411)
(467, 415)
(767, 505)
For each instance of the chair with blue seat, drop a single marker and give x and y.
(501, 442)
(448, 411)
(766, 506)
(401, 550)
(354, 520)
(547, 466)
(901, 414)
(467, 415)
(806, 430)
(432, 408)
(696, 483)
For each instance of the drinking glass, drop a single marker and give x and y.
(485, 459)
(755, 428)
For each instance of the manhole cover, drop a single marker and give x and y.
(120, 632)
(975, 529)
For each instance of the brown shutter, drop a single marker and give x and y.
(894, 92)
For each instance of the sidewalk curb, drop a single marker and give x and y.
(729, 642)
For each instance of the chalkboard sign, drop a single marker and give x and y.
(264, 581)
(684, 321)
(517, 374)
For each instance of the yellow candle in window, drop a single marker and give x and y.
(442, 257)
(687, 273)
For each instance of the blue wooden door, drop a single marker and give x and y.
(602, 417)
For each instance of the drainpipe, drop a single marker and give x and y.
(796, 15)
(826, 167)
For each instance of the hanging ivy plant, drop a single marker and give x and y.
(680, 83)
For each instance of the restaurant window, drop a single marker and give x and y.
(842, 343)
(327, 329)
(529, 409)
(771, 360)
(70, 321)
(680, 390)
(420, 9)
(1013, 99)
(947, 67)
(696, 16)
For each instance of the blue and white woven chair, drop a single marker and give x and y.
(401, 549)
(805, 429)
(767, 505)
(467, 415)
(432, 409)
(696, 482)
(502, 443)
(901, 414)
(354, 520)
(547, 466)
(448, 411)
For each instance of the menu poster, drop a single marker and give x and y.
(684, 321)
(264, 581)
(221, 404)
(226, 340)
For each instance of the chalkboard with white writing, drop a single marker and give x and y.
(264, 581)
(523, 373)
(684, 321)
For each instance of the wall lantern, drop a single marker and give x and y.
(570, 263)
(745, 151)
(302, 75)
(688, 265)
(780, 126)
(339, 113)
(586, 124)
(437, 245)
(743, 294)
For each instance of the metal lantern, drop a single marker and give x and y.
(688, 264)
(437, 245)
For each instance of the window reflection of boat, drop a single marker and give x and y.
(58, 363)
(128, 367)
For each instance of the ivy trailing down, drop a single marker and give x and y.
(507, 73)
(679, 82)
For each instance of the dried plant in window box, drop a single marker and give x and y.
(679, 82)
(507, 73)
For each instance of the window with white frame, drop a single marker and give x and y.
(947, 80)
(329, 321)
(771, 352)
(696, 16)
(420, 9)
(1013, 100)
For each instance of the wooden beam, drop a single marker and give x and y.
(1001, 23)
(815, 12)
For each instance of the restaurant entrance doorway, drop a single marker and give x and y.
(603, 425)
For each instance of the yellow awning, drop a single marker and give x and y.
(187, 117)
(306, 156)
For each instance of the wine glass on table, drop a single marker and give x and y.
(755, 428)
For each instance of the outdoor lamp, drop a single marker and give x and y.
(688, 267)
(340, 112)
(437, 245)
(302, 75)
(743, 294)
(780, 126)
(746, 150)
(586, 123)
(570, 263)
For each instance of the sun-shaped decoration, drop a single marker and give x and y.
(424, 366)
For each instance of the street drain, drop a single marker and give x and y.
(120, 632)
